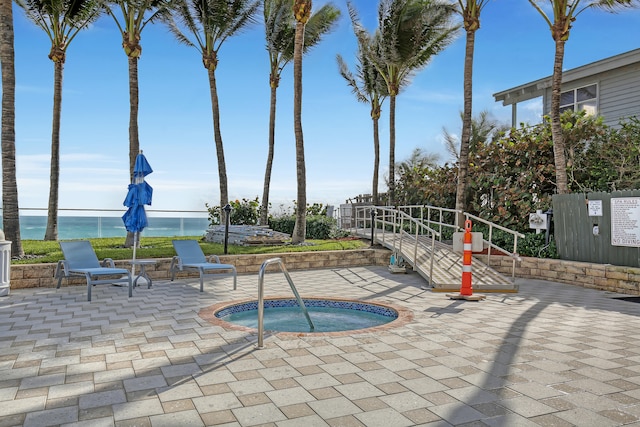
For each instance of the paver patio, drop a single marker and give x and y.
(550, 355)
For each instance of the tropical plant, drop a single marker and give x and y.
(512, 176)
(301, 12)
(483, 128)
(205, 25)
(412, 176)
(560, 19)
(599, 157)
(10, 210)
(279, 26)
(135, 15)
(470, 11)
(410, 33)
(61, 20)
(369, 87)
(243, 212)
(512, 173)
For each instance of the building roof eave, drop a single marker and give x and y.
(536, 88)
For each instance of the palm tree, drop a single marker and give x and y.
(135, 15)
(483, 128)
(10, 210)
(279, 26)
(61, 20)
(369, 87)
(302, 12)
(470, 11)
(412, 176)
(563, 14)
(207, 24)
(410, 33)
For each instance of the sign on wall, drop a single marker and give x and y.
(595, 207)
(625, 221)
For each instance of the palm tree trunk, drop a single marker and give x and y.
(264, 209)
(222, 167)
(463, 161)
(299, 230)
(10, 210)
(51, 232)
(392, 150)
(376, 159)
(562, 186)
(134, 142)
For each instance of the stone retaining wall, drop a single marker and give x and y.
(605, 277)
(42, 275)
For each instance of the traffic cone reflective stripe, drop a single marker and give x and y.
(466, 289)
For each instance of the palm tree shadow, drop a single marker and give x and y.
(450, 309)
(496, 377)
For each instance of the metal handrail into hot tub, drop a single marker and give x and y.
(263, 268)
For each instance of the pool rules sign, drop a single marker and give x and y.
(625, 221)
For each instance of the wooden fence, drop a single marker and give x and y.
(587, 229)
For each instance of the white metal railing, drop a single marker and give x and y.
(263, 268)
(391, 224)
(490, 245)
(439, 222)
(436, 221)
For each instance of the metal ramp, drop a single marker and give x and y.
(436, 261)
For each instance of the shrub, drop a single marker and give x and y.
(535, 245)
(243, 212)
(319, 227)
(283, 223)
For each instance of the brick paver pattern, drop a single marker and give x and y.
(550, 355)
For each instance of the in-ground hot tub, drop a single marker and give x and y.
(329, 315)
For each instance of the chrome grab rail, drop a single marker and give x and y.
(261, 297)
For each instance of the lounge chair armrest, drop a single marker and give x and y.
(214, 258)
(108, 262)
(62, 270)
(176, 264)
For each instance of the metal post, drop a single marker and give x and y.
(227, 216)
(549, 214)
(373, 225)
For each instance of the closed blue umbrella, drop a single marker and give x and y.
(139, 194)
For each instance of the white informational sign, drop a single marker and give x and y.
(538, 221)
(595, 207)
(625, 221)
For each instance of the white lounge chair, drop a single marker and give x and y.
(80, 260)
(190, 257)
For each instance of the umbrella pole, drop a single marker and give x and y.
(135, 244)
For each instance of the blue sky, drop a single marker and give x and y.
(513, 46)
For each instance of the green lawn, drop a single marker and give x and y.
(39, 251)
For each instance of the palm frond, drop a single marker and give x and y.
(320, 24)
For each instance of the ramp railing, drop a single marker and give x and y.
(397, 229)
(388, 224)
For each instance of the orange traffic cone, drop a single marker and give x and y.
(466, 289)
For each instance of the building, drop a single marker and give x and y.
(609, 87)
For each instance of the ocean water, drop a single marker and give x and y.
(85, 227)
